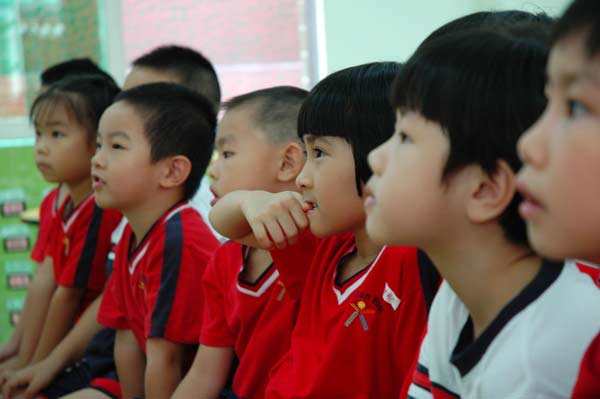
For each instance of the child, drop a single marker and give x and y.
(246, 309)
(188, 68)
(561, 155)
(95, 375)
(70, 68)
(363, 306)
(462, 102)
(154, 144)
(26, 332)
(66, 118)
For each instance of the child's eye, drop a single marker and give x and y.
(98, 145)
(37, 133)
(577, 109)
(56, 134)
(318, 153)
(404, 137)
(116, 146)
(227, 154)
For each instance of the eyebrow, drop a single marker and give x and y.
(564, 78)
(51, 123)
(224, 140)
(590, 74)
(312, 138)
(114, 134)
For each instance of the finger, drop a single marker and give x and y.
(298, 213)
(288, 227)
(275, 232)
(34, 387)
(260, 234)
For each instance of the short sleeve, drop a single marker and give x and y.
(40, 248)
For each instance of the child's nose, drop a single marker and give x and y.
(532, 144)
(303, 180)
(97, 159)
(212, 170)
(40, 145)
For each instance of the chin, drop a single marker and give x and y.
(103, 202)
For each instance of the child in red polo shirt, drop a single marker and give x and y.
(154, 144)
(66, 118)
(26, 333)
(247, 312)
(363, 307)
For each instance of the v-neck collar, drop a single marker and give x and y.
(469, 351)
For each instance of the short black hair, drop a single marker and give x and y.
(580, 15)
(71, 68)
(352, 104)
(85, 98)
(177, 121)
(512, 20)
(275, 110)
(192, 69)
(485, 88)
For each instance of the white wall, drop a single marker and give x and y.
(359, 31)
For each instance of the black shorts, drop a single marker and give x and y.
(77, 377)
(96, 370)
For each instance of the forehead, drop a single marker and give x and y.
(566, 59)
(121, 117)
(239, 124)
(143, 75)
(50, 111)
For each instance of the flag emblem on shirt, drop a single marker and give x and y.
(390, 297)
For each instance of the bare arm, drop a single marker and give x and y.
(208, 375)
(61, 314)
(131, 364)
(11, 347)
(260, 219)
(227, 218)
(163, 368)
(39, 375)
(35, 310)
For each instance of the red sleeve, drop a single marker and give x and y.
(588, 379)
(39, 250)
(174, 277)
(293, 262)
(215, 330)
(111, 313)
(89, 244)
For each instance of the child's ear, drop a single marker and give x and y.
(491, 194)
(290, 162)
(176, 171)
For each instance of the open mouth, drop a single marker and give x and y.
(310, 206)
(97, 182)
(42, 166)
